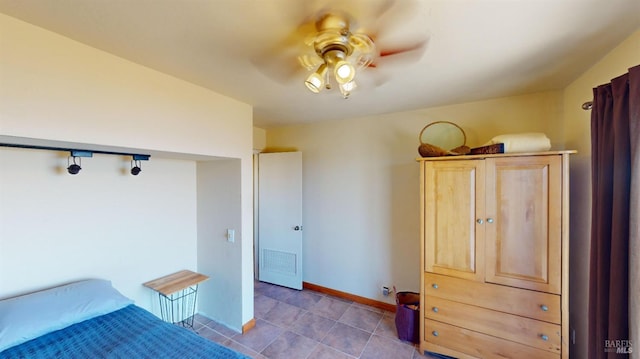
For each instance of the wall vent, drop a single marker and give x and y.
(280, 262)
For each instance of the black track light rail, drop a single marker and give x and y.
(64, 149)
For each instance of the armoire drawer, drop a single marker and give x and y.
(522, 302)
(479, 345)
(531, 332)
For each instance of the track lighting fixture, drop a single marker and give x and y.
(74, 164)
(74, 168)
(136, 166)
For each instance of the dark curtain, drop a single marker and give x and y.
(614, 115)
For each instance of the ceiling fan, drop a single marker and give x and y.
(337, 54)
(331, 51)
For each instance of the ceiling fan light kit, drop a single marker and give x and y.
(338, 52)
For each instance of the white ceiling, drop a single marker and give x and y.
(475, 49)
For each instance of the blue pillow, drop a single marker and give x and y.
(29, 316)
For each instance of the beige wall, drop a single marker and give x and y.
(361, 190)
(219, 209)
(56, 89)
(259, 139)
(578, 136)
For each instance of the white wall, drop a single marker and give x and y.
(577, 123)
(101, 223)
(53, 88)
(361, 186)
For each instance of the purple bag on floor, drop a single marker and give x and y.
(408, 316)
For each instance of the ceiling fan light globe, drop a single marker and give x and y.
(344, 72)
(314, 82)
(349, 86)
(346, 88)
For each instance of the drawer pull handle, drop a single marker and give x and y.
(435, 286)
(435, 333)
(544, 308)
(489, 220)
(480, 221)
(435, 309)
(544, 337)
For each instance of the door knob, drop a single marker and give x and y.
(480, 221)
(297, 228)
(489, 220)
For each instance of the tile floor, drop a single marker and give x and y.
(293, 324)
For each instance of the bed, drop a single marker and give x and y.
(90, 319)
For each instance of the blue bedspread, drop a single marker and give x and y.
(130, 333)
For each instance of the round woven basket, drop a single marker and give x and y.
(429, 150)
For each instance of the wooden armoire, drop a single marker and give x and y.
(495, 252)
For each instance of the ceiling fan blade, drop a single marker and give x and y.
(417, 48)
(297, 51)
(400, 55)
(281, 61)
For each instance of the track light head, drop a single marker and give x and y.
(73, 168)
(135, 167)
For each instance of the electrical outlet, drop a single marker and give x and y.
(385, 291)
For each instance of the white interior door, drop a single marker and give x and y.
(280, 218)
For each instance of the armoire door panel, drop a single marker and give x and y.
(523, 229)
(454, 198)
